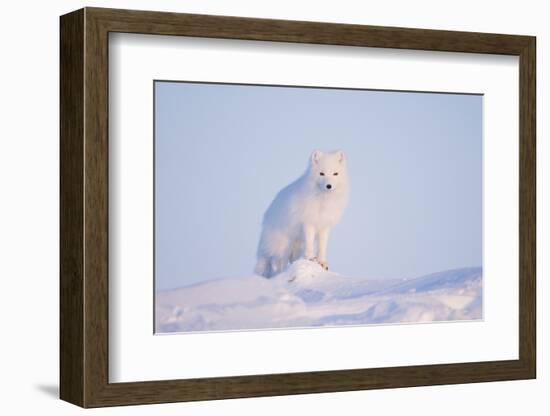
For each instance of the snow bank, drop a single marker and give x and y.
(307, 296)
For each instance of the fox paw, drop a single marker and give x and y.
(323, 264)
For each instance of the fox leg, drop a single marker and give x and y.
(322, 241)
(262, 267)
(277, 265)
(309, 241)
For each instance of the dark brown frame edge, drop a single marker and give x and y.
(84, 207)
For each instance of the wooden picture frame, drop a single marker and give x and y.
(84, 207)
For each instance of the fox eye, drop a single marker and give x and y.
(335, 173)
(322, 173)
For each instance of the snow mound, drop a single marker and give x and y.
(305, 295)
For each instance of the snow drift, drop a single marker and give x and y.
(307, 296)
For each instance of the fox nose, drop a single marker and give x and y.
(329, 186)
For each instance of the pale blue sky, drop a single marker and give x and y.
(222, 152)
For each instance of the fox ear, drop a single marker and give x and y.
(341, 156)
(316, 156)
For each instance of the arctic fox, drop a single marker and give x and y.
(302, 214)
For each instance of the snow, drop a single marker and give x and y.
(305, 295)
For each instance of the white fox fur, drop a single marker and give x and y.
(300, 218)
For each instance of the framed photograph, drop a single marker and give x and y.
(254, 207)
